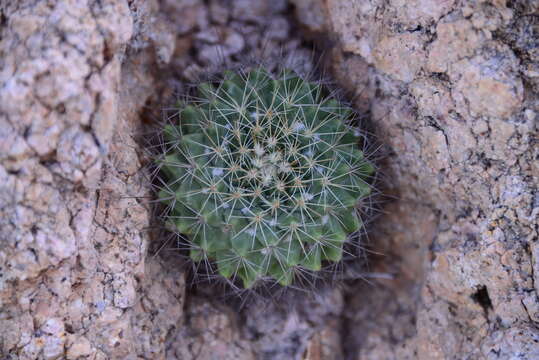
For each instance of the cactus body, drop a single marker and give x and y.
(262, 174)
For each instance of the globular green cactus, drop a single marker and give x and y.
(262, 173)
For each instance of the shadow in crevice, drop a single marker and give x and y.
(351, 277)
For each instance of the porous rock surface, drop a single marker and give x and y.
(452, 88)
(74, 278)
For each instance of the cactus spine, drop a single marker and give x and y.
(262, 174)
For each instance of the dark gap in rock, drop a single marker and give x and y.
(481, 297)
(60, 108)
(69, 328)
(3, 22)
(27, 132)
(442, 76)
(14, 172)
(108, 53)
(34, 253)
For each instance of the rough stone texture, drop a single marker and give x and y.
(74, 280)
(209, 330)
(452, 89)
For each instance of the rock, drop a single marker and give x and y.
(54, 339)
(79, 347)
(489, 84)
(513, 342)
(257, 10)
(454, 41)
(212, 331)
(228, 42)
(278, 29)
(219, 12)
(400, 56)
(452, 92)
(450, 112)
(311, 14)
(61, 105)
(325, 344)
(420, 12)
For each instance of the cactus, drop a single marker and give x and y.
(262, 173)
